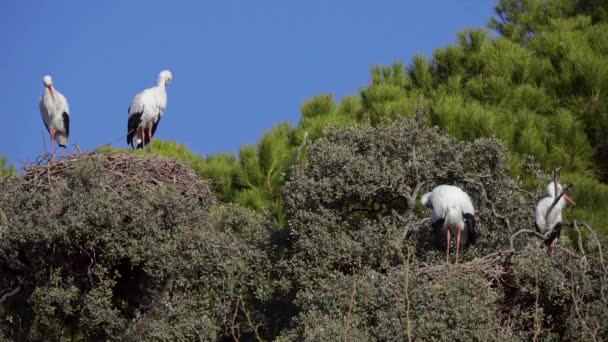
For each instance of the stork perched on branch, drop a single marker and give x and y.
(453, 213)
(146, 110)
(55, 114)
(548, 215)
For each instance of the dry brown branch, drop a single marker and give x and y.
(537, 320)
(10, 293)
(407, 296)
(580, 245)
(347, 322)
(603, 265)
(576, 300)
(487, 200)
(253, 326)
(236, 334)
(522, 231)
(122, 172)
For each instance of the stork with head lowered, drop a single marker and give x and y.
(452, 213)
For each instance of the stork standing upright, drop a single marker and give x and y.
(548, 215)
(55, 114)
(453, 213)
(146, 110)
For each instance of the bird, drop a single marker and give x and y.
(55, 114)
(452, 213)
(146, 110)
(548, 219)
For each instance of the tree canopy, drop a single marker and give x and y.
(124, 252)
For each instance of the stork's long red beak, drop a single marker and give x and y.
(569, 199)
(51, 90)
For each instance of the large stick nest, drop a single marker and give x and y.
(121, 173)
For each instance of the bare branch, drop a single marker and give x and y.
(537, 320)
(580, 245)
(236, 334)
(524, 231)
(487, 200)
(253, 326)
(10, 293)
(603, 265)
(347, 322)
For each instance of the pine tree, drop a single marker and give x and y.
(6, 169)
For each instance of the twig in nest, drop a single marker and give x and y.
(121, 172)
(491, 265)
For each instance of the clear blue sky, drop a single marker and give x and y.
(239, 67)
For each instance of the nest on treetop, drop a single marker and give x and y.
(116, 172)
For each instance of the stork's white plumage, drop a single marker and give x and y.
(55, 114)
(146, 110)
(453, 213)
(549, 220)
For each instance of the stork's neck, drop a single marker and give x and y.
(161, 84)
(559, 206)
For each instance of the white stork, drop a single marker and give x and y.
(55, 114)
(548, 214)
(146, 110)
(453, 213)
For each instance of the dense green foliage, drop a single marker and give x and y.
(356, 261)
(91, 264)
(367, 267)
(338, 246)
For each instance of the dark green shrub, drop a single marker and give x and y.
(119, 246)
(353, 214)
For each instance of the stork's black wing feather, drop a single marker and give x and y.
(469, 224)
(437, 225)
(66, 124)
(133, 124)
(155, 125)
(556, 232)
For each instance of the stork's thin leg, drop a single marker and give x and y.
(143, 137)
(457, 244)
(447, 253)
(150, 137)
(53, 131)
(553, 247)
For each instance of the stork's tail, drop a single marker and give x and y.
(62, 140)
